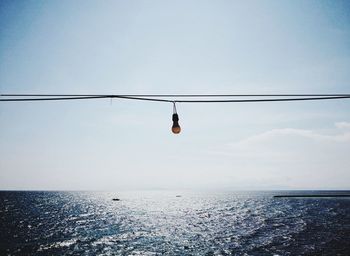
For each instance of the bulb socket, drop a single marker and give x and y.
(175, 117)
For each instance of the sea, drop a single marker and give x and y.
(172, 223)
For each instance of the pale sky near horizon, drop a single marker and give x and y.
(166, 47)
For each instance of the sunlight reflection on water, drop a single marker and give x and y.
(163, 222)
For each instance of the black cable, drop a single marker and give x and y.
(263, 100)
(56, 97)
(81, 98)
(174, 95)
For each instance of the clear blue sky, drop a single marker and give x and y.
(151, 47)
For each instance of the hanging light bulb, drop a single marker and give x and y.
(176, 129)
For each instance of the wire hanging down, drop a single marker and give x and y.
(179, 98)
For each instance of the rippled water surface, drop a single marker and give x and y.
(171, 223)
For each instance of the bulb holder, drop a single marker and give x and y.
(175, 117)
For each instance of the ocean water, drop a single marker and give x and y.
(172, 223)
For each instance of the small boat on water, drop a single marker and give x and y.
(115, 199)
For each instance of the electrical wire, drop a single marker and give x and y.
(174, 95)
(50, 98)
(163, 97)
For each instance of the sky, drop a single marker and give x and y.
(174, 47)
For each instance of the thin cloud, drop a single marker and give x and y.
(338, 135)
(296, 158)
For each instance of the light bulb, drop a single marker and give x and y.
(176, 129)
